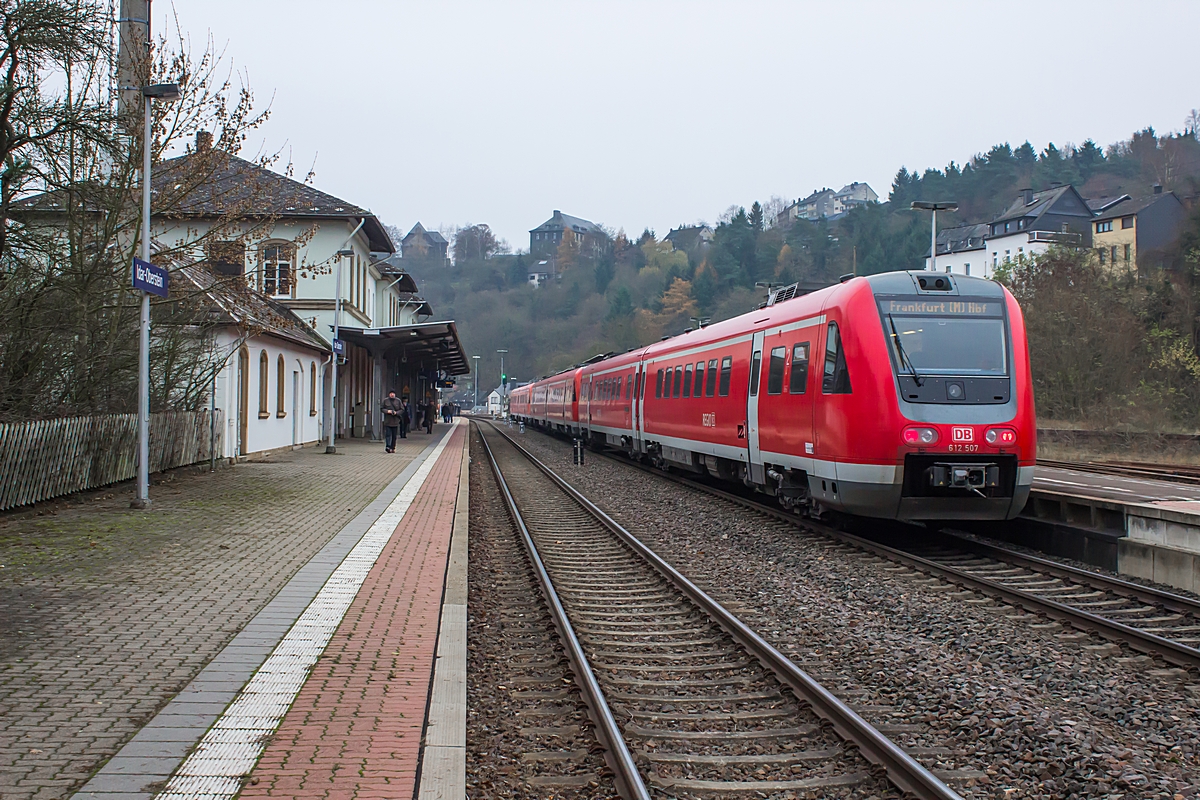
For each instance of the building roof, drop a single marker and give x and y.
(226, 184)
(1043, 202)
(687, 237)
(237, 304)
(437, 341)
(432, 237)
(561, 221)
(1101, 204)
(962, 238)
(1135, 205)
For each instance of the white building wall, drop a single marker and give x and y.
(969, 262)
(1012, 247)
(301, 420)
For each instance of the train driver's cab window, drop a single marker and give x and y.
(775, 370)
(836, 379)
(698, 387)
(658, 384)
(710, 385)
(798, 381)
(687, 381)
(678, 381)
(726, 374)
(754, 370)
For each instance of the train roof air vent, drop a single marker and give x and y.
(782, 293)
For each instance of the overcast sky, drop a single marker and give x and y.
(648, 113)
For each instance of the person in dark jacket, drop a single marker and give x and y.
(392, 408)
(405, 419)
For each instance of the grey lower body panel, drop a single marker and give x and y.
(887, 501)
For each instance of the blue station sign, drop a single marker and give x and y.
(339, 347)
(149, 278)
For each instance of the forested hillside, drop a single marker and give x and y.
(644, 289)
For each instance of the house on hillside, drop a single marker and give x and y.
(690, 239)
(1035, 221)
(828, 204)
(545, 239)
(1138, 232)
(963, 250)
(852, 195)
(428, 246)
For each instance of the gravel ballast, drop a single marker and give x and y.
(1001, 703)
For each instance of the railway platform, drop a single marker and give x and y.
(351, 676)
(1135, 525)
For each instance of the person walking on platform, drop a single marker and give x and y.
(405, 419)
(392, 408)
(427, 417)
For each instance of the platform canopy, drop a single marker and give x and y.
(421, 342)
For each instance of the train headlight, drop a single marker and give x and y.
(920, 436)
(1000, 436)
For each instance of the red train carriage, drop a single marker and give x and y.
(905, 395)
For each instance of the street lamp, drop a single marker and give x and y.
(925, 205)
(166, 92)
(476, 386)
(331, 449)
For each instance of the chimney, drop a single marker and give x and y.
(204, 140)
(1028, 195)
(1158, 188)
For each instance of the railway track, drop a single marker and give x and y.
(1148, 620)
(1172, 473)
(687, 700)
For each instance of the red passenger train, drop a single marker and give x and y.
(905, 395)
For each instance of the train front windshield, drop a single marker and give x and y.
(946, 337)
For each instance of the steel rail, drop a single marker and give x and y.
(625, 772)
(1147, 594)
(1140, 640)
(902, 770)
(1164, 474)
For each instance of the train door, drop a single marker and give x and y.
(639, 391)
(755, 455)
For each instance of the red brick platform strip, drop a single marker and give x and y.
(354, 730)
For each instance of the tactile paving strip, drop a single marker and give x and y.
(229, 750)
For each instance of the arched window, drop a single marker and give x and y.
(279, 412)
(264, 365)
(277, 263)
(312, 392)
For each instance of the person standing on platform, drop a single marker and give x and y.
(392, 408)
(430, 412)
(405, 419)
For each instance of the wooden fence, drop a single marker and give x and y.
(52, 457)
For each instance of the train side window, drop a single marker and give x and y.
(755, 362)
(710, 385)
(619, 379)
(726, 374)
(775, 370)
(799, 380)
(658, 384)
(629, 387)
(836, 379)
(678, 381)
(698, 387)
(687, 381)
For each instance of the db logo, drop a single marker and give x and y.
(963, 434)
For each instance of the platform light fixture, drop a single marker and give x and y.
(926, 205)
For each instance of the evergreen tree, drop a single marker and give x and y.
(756, 217)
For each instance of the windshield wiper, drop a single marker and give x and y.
(904, 359)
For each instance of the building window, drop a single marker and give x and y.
(1104, 227)
(967, 268)
(1126, 223)
(277, 268)
(1128, 251)
(1114, 254)
(279, 412)
(264, 365)
(1102, 252)
(312, 389)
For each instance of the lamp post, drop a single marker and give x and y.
(330, 448)
(924, 205)
(165, 92)
(476, 384)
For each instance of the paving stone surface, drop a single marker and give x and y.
(107, 612)
(354, 730)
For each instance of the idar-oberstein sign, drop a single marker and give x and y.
(149, 278)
